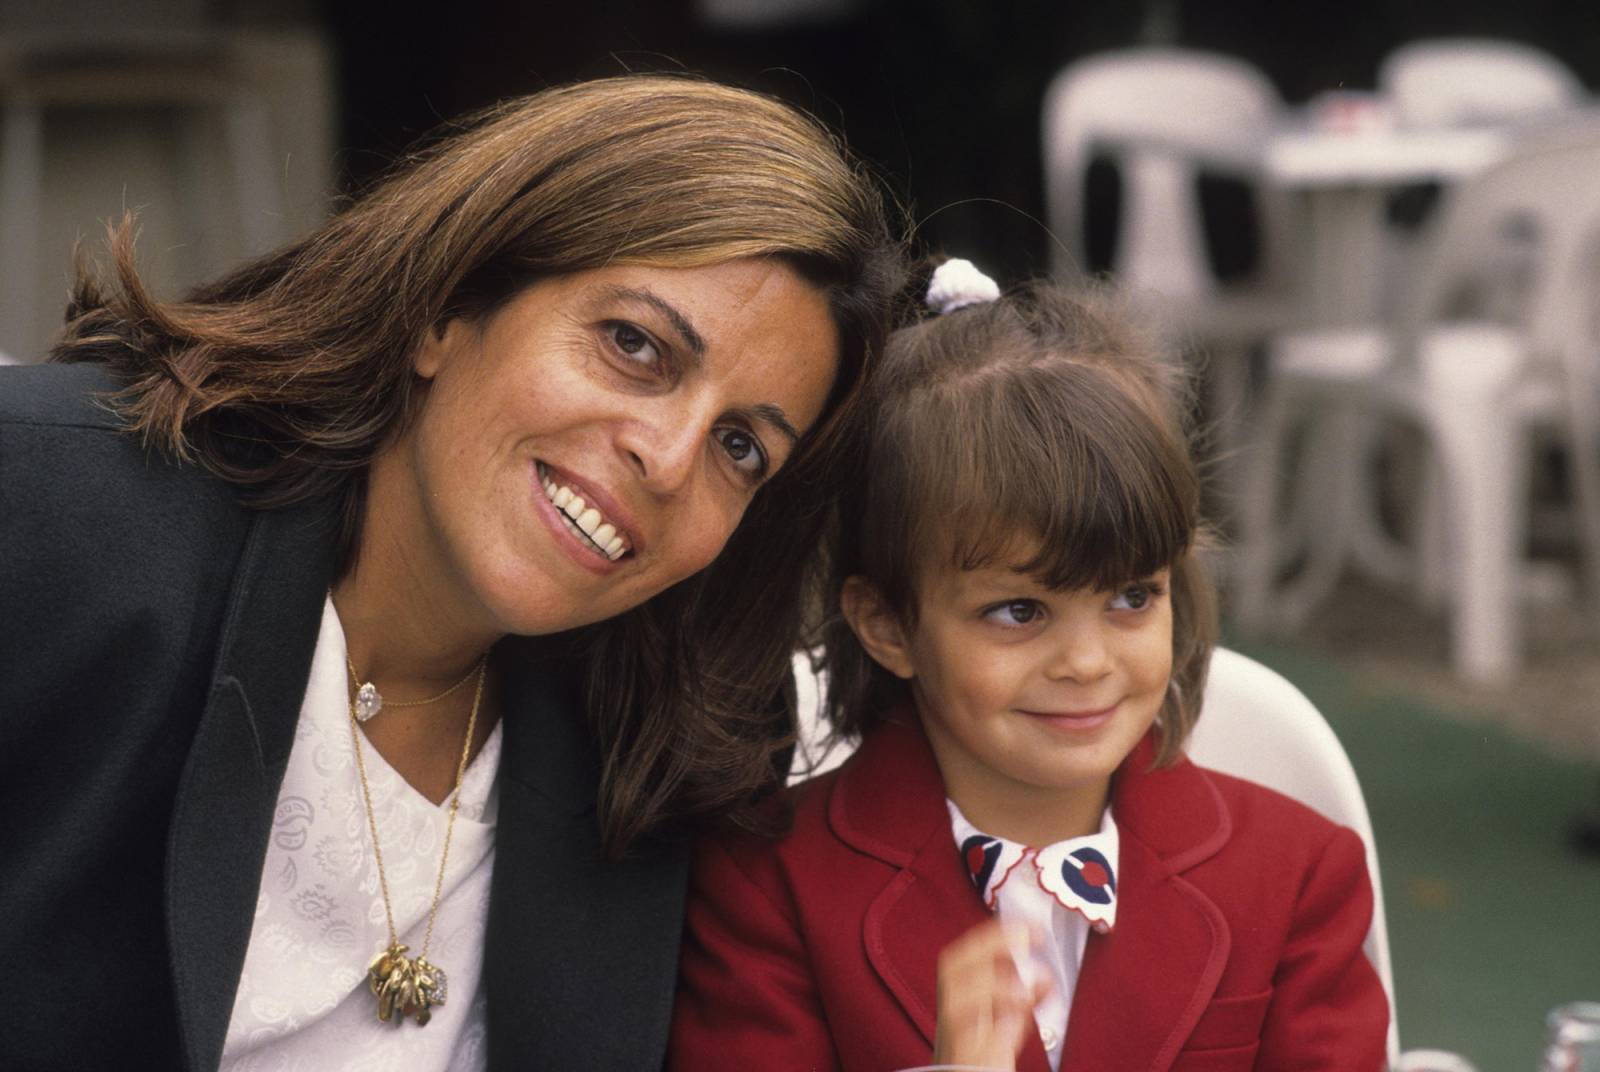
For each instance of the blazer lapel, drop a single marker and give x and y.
(577, 944)
(223, 814)
(891, 804)
(1142, 988)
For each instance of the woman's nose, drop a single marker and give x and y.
(664, 445)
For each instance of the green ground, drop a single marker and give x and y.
(1492, 919)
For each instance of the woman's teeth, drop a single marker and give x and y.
(583, 519)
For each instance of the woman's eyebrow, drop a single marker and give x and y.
(679, 322)
(773, 414)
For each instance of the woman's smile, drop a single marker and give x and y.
(594, 522)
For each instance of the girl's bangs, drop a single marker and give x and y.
(1059, 474)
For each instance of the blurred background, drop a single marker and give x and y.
(1369, 227)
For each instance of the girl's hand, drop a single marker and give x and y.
(985, 1009)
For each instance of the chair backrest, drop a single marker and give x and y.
(1152, 110)
(1464, 81)
(1254, 725)
(1521, 244)
(814, 753)
(1516, 245)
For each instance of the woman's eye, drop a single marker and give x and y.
(634, 345)
(745, 451)
(1017, 612)
(1135, 597)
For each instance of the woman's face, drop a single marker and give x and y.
(662, 398)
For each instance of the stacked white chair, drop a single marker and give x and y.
(1494, 346)
(1164, 115)
(1455, 82)
(1450, 82)
(1161, 114)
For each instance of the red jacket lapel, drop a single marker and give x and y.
(889, 803)
(1141, 989)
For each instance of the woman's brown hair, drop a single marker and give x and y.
(289, 375)
(1042, 416)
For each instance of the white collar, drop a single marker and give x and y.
(1080, 873)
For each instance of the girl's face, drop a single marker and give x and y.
(1032, 697)
(598, 438)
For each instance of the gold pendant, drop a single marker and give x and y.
(407, 985)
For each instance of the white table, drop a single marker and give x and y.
(1350, 278)
(1344, 179)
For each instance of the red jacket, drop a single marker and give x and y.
(1240, 919)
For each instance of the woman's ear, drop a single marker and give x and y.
(876, 626)
(439, 342)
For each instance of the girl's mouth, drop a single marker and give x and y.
(1075, 720)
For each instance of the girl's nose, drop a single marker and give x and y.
(1082, 653)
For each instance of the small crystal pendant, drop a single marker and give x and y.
(405, 986)
(368, 702)
(433, 985)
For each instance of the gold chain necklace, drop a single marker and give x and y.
(411, 985)
(369, 701)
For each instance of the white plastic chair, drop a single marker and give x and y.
(1162, 116)
(1446, 82)
(1254, 725)
(1466, 81)
(814, 753)
(1495, 346)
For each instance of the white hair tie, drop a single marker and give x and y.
(957, 284)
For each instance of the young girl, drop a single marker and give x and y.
(1021, 638)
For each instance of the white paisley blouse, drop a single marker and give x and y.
(303, 1002)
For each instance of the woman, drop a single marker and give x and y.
(343, 484)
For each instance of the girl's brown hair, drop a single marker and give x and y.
(1041, 415)
(289, 375)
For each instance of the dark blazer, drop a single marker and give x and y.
(1240, 920)
(155, 641)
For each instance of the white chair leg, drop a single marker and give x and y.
(1583, 425)
(1255, 565)
(1329, 503)
(1228, 422)
(1379, 554)
(1482, 455)
(1433, 536)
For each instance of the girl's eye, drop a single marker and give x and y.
(1017, 612)
(1136, 597)
(634, 345)
(745, 451)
